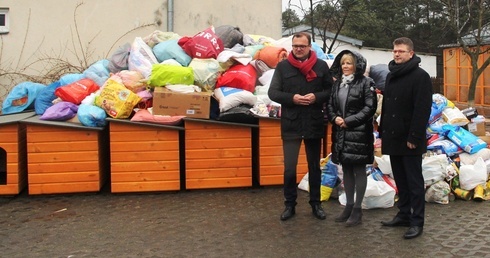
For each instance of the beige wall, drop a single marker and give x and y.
(46, 28)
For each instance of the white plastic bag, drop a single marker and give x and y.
(472, 175)
(303, 184)
(384, 164)
(438, 193)
(378, 195)
(141, 57)
(434, 168)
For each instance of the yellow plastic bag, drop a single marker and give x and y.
(330, 178)
(325, 192)
(116, 100)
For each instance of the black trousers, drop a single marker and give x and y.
(291, 152)
(409, 180)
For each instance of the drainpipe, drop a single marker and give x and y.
(170, 15)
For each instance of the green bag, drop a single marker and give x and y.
(164, 74)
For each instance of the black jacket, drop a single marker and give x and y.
(406, 108)
(300, 122)
(354, 144)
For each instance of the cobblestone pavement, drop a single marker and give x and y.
(225, 223)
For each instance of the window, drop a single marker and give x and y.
(4, 20)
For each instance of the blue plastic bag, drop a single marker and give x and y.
(45, 98)
(170, 49)
(439, 103)
(464, 139)
(71, 78)
(21, 97)
(98, 72)
(318, 50)
(91, 116)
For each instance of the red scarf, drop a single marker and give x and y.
(304, 67)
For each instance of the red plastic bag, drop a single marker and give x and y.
(205, 44)
(238, 76)
(77, 91)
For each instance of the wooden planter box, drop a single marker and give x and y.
(271, 159)
(218, 154)
(65, 157)
(145, 157)
(13, 154)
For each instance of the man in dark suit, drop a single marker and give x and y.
(406, 108)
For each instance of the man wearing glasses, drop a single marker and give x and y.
(302, 85)
(406, 108)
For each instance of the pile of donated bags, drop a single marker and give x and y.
(235, 67)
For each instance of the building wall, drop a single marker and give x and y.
(42, 29)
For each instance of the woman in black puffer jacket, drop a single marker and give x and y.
(351, 109)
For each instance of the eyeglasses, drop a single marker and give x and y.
(400, 51)
(300, 46)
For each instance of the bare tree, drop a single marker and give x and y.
(329, 18)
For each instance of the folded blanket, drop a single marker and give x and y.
(271, 55)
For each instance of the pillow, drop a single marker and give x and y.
(229, 97)
(144, 115)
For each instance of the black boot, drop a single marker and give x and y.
(318, 211)
(355, 217)
(342, 217)
(288, 213)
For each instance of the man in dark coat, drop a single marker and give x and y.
(301, 84)
(406, 108)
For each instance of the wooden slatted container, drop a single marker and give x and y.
(271, 159)
(13, 153)
(218, 154)
(145, 157)
(66, 157)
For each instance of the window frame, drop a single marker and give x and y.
(5, 28)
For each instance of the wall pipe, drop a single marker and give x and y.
(170, 15)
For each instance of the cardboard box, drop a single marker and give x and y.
(171, 103)
(486, 139)
(477, 129)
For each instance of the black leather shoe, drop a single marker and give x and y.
(396, 222)
(318, 212)
(288, 213)
(413, 232)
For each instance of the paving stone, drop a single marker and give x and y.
(225, 223)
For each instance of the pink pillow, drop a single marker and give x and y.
(144, 115)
